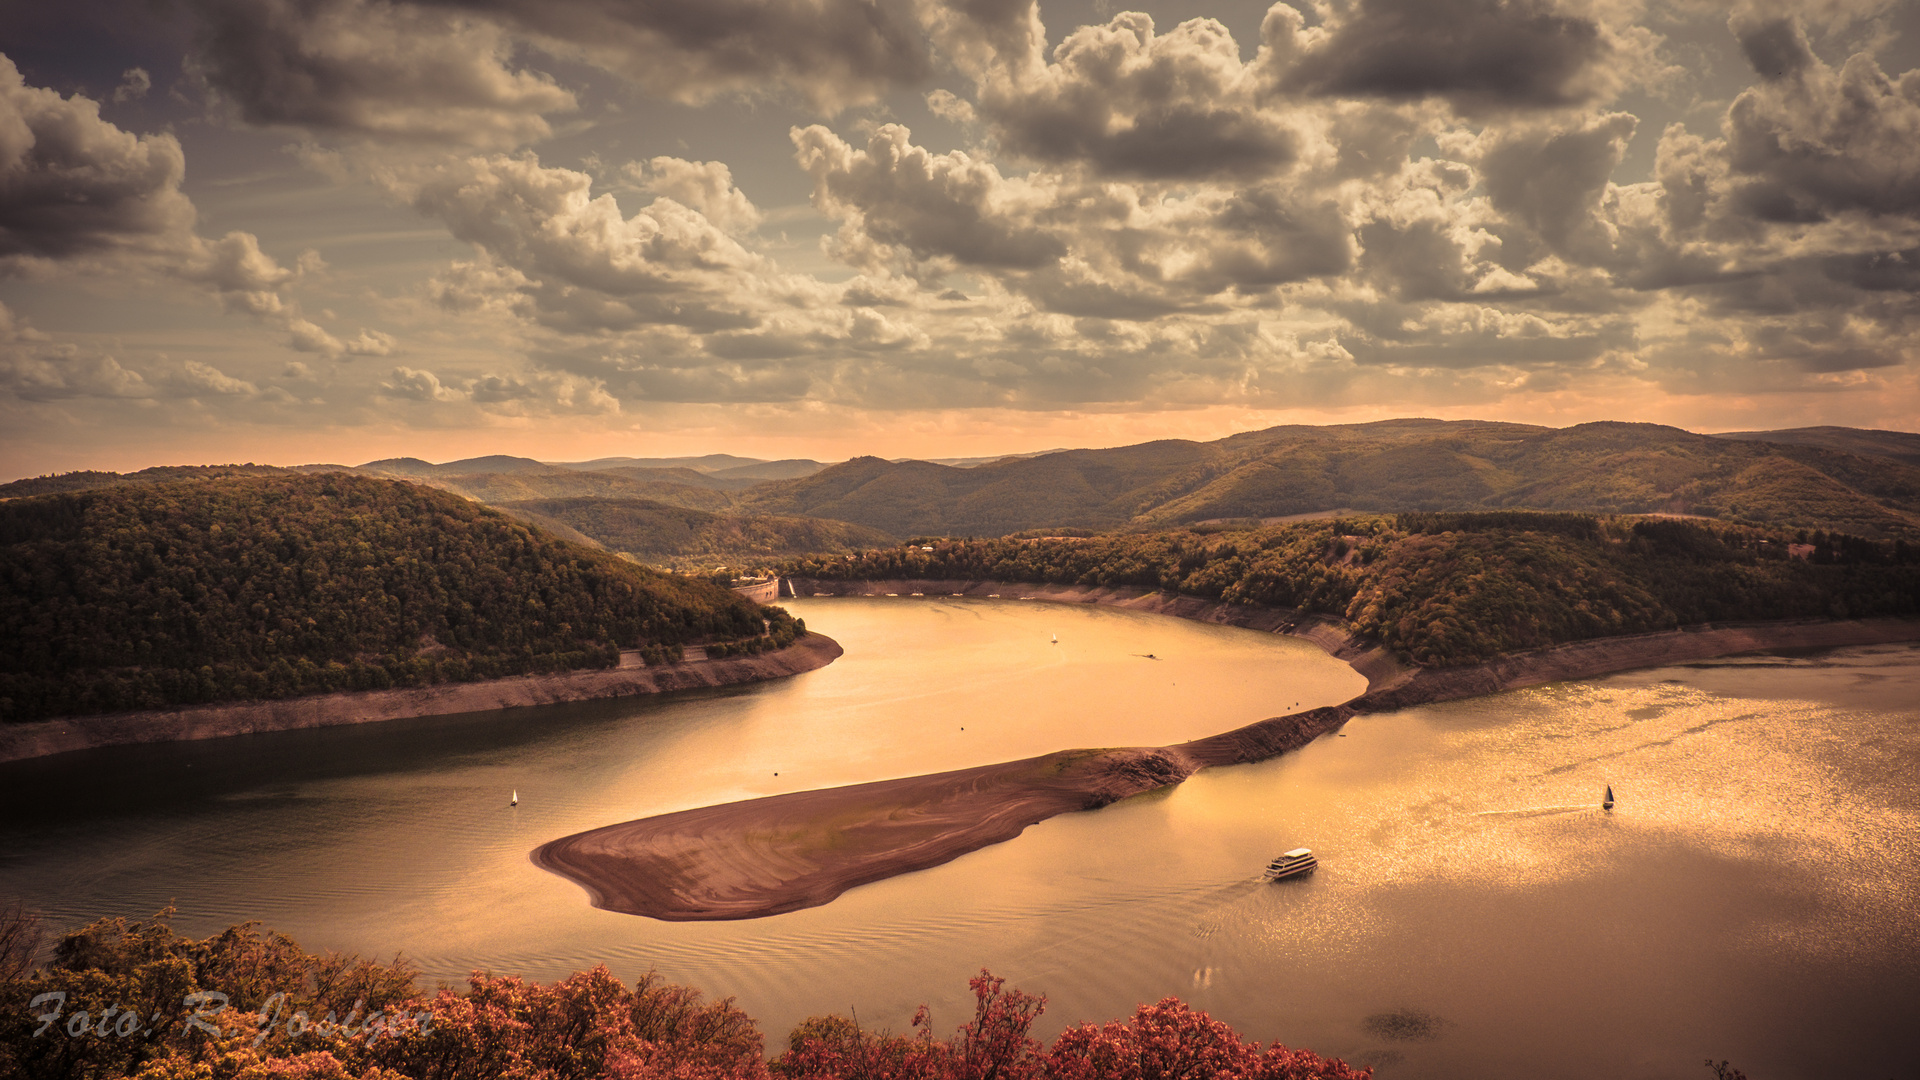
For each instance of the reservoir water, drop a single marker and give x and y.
(1755, 895)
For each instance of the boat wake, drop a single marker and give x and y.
(1536, 811)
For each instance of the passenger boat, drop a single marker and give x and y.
(1296, 863)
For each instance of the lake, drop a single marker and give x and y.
(1754, 896)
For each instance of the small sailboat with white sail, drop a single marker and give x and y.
(1607, 803)
(515, 801)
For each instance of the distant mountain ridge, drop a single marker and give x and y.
(1396, 465)
(1854, 480)
(1898, 445)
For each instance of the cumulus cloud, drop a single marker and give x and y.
(1810, 142)
(36, 368)
(1126, 101)
(33, 367)
(575, 260)
(706, 186)
(78, 191)
(195, 379)
(72, 184)
(895, 194)
(1384, 192)
(495, 388)
(373, 69)
(1077, 246)
(1145, 213)
(371, 343)
(410, 384)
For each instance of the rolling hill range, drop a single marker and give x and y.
(676, 509)
(1396, 465)
(1902, 446)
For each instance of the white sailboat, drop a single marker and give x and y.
(1056, 639)
(515, 801)
(1607, 803)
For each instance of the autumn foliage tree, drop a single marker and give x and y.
(1163, 1041)
(286, 1014)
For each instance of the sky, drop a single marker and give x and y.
(293, 231)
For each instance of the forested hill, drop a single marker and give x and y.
(1860, 484)
(1453, 589)
(88, 479)
(156, 594)
(661, 534)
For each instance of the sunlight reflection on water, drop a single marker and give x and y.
(1753, 896)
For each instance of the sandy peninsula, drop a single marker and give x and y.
(44, 737)
(785, 852)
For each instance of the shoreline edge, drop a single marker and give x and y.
(41, 738)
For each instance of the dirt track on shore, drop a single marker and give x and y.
(44, 737)
(786, 852)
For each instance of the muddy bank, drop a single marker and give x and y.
(782, 853)
(785, 852)
(40, 738)
(1603, 656)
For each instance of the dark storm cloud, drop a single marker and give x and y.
(1775, 48)
(1475, 54)
(1264, 237)
(1877, 271)
(1161, 141)
(1552, 181)
(373, 69)
(833, 52)
(1415, 261)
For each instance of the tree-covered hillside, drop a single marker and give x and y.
(147, 595)
(659, 533)
(1387, 467)
(88, 479)
(1454, 589)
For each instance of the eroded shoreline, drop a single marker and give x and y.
(786, 852)
(40, 738)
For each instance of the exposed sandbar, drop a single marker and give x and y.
(785, 852)
(44, 737)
